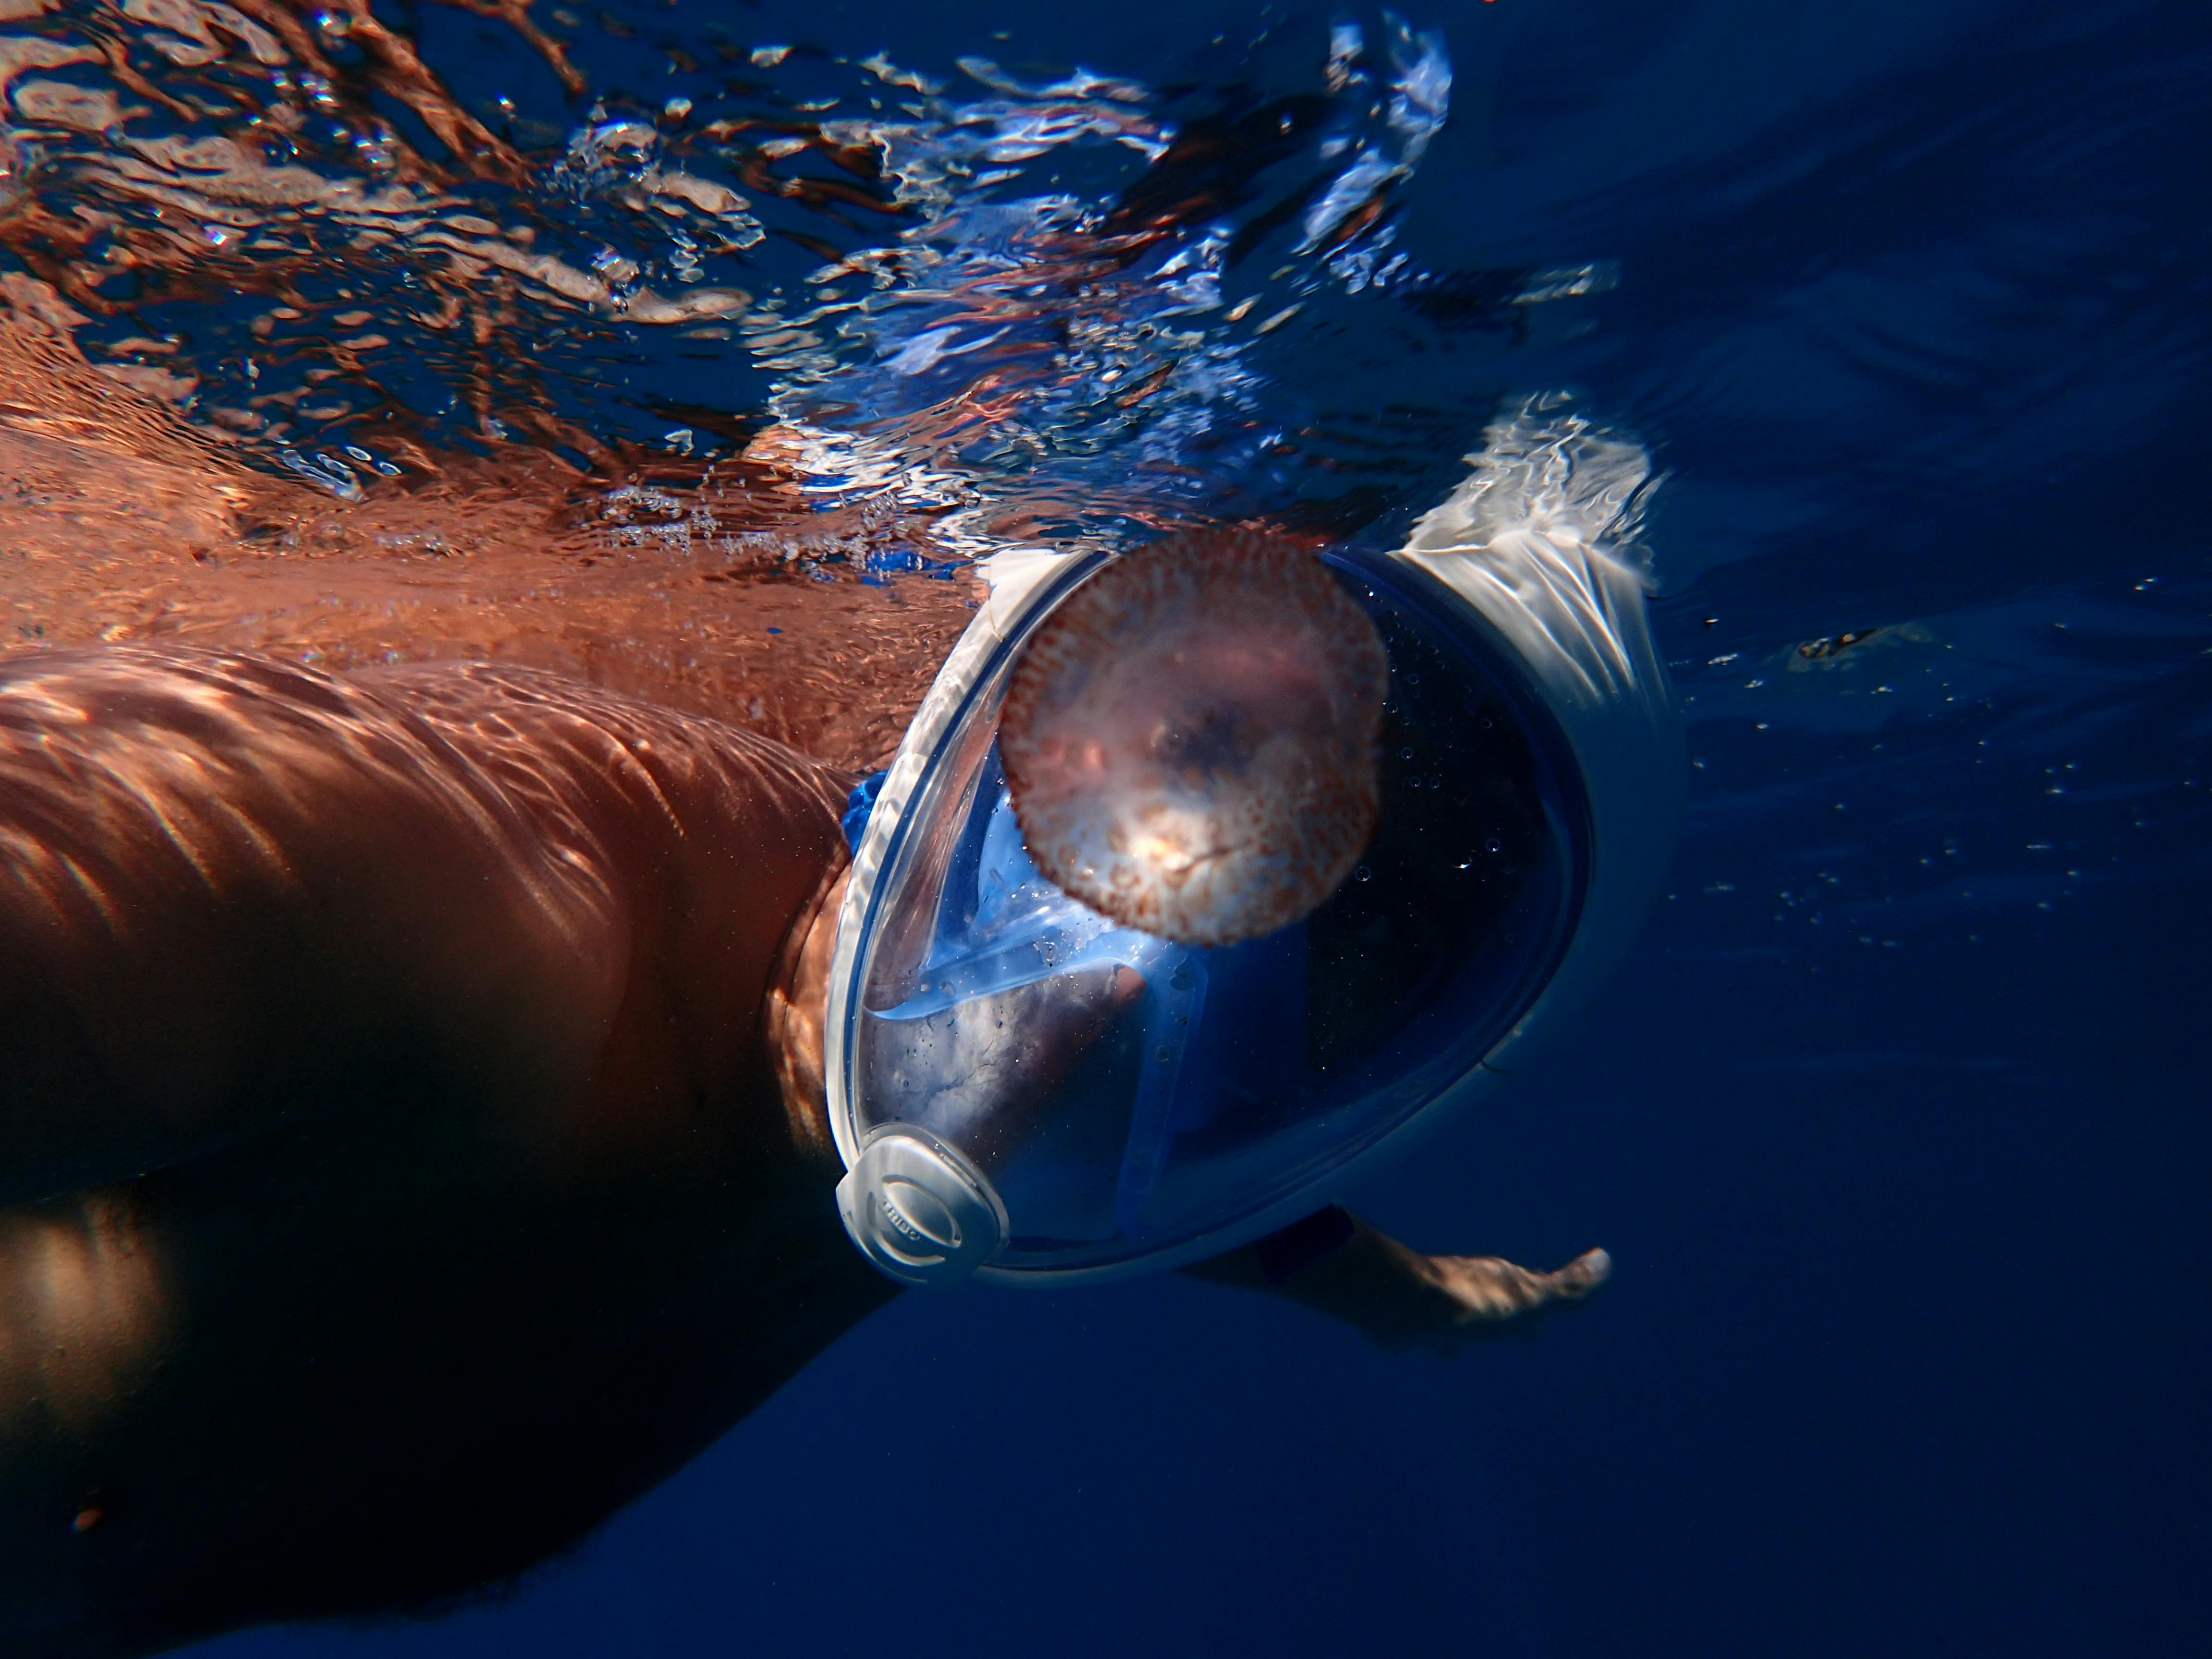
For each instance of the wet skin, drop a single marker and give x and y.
(412, 1146)
(398, 1180)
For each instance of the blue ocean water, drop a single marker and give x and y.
(1894, 1122)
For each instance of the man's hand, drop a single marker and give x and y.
(1400, 1297)
(1480, 1291)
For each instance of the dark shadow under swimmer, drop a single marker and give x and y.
(411, 1145)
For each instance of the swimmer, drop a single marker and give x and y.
(414, 1145)
(442, 1098)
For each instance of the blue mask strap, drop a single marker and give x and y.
(860, 804)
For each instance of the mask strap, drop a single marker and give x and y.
(860, 806)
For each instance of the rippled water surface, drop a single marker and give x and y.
(700, 349)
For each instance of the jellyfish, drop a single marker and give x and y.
(1190, 739)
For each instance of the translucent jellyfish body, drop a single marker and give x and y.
(1190, 738)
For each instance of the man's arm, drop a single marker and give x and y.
(1336, 1264)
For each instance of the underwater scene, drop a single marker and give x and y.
(1217, 830)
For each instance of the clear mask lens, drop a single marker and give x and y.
(1118, 1093)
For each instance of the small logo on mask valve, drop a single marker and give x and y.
(918, 1218)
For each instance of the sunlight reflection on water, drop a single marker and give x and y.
(711, 398)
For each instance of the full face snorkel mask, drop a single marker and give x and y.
(1025, 1090)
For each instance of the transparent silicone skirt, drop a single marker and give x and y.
(1023, 1088)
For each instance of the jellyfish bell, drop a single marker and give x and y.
(1189, 741)
(1210, 874)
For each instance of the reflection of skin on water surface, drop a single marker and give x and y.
(120, 524)
(413, 1147)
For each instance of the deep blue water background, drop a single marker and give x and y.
(1896, 1122)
